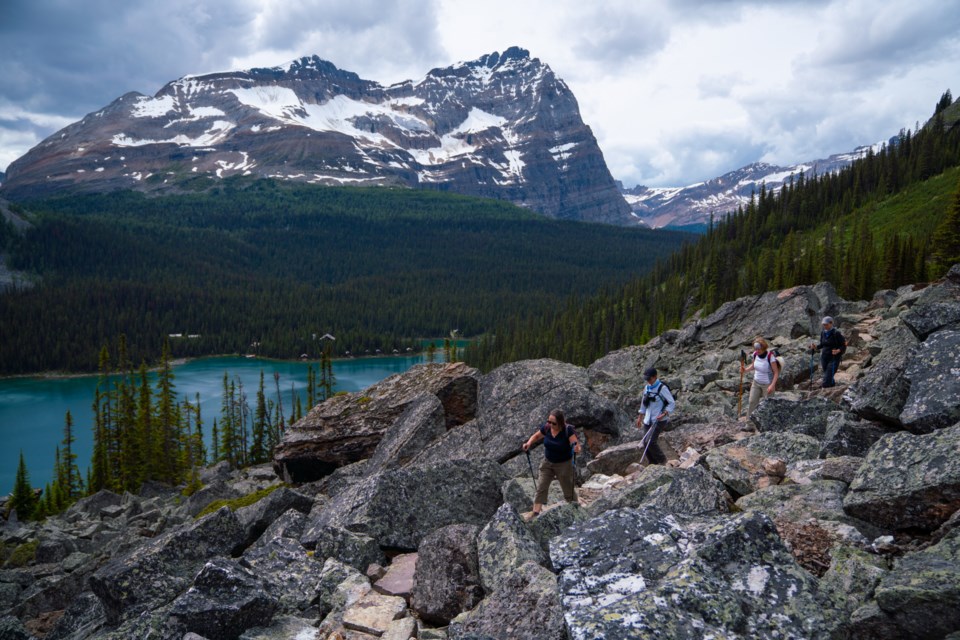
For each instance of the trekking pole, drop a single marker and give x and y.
(811, 366)
(648, 436)
(530, 464)
(743, 362)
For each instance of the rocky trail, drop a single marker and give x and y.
(403, 511)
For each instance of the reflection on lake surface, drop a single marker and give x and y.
(32, 410)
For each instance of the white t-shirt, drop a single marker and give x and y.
(762, 371)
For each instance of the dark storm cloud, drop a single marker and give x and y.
(73, 57)
(61, 59)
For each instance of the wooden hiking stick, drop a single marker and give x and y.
(743, 362)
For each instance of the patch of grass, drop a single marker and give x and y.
(918, 209)
(242, 501)
(23, 555)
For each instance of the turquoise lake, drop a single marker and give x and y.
(32, 410)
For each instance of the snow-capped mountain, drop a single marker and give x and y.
(500, 126)
(692, 206)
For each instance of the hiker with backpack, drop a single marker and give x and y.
(832, 347)
(766, 372)
(560, 444)
(656, 406)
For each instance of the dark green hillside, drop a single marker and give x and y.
(275, 263)
(867, 227)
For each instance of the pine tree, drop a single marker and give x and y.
(71, 473)
(167, 423)
(99, 473)
(24, 499)
(330, 382)
(214, 442)
(258, 446)
(201, 451)
(143, 461)
(311, 386)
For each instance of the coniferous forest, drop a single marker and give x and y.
(258, 266)
(890, 218)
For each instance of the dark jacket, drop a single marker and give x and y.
(830, 340)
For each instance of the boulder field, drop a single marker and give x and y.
(403, 511)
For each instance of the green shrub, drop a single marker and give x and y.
(23, 555)
(242, 501)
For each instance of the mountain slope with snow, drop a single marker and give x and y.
(502, 126)
(692, 206)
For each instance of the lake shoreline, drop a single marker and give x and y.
(61, 375)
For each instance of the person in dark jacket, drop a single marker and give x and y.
(559, 445)
(832, 347)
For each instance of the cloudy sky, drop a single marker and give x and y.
(676, 91)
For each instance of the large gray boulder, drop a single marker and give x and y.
(91, 506)
(847, 435)
(526, 607)
(918, 598)
(256, 517)
(154, 573)
(749, 464)
(348, 428)
(934, 374)
(218, 490)
(422, 422)
(289, 574)
(908, 482)
(693, 491)
(936, 308)
(850, 583)
(12, 629)
(790, 313)
(51, 593)
(503, 546)
(224, 601)
(706, 436)
(516, 398)
(806, 510)
(340, 587)
(82, 619)
(635, 491)
(883, 390)
(447, 578)
(398, 508)
(638, 574)
(780, 415)
(330, 541)
(290, 524)
(615, 459)
(554, 521)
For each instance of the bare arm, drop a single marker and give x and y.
(532, 440)
(575, 443)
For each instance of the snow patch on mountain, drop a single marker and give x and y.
(693, 205)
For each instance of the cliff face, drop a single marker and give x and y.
(502, 126)
(830, 513)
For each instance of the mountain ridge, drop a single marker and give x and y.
(692, 206)
(502, 126)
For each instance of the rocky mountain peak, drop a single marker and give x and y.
(501, 126)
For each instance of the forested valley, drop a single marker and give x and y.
(259, 266)
(890, 218)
